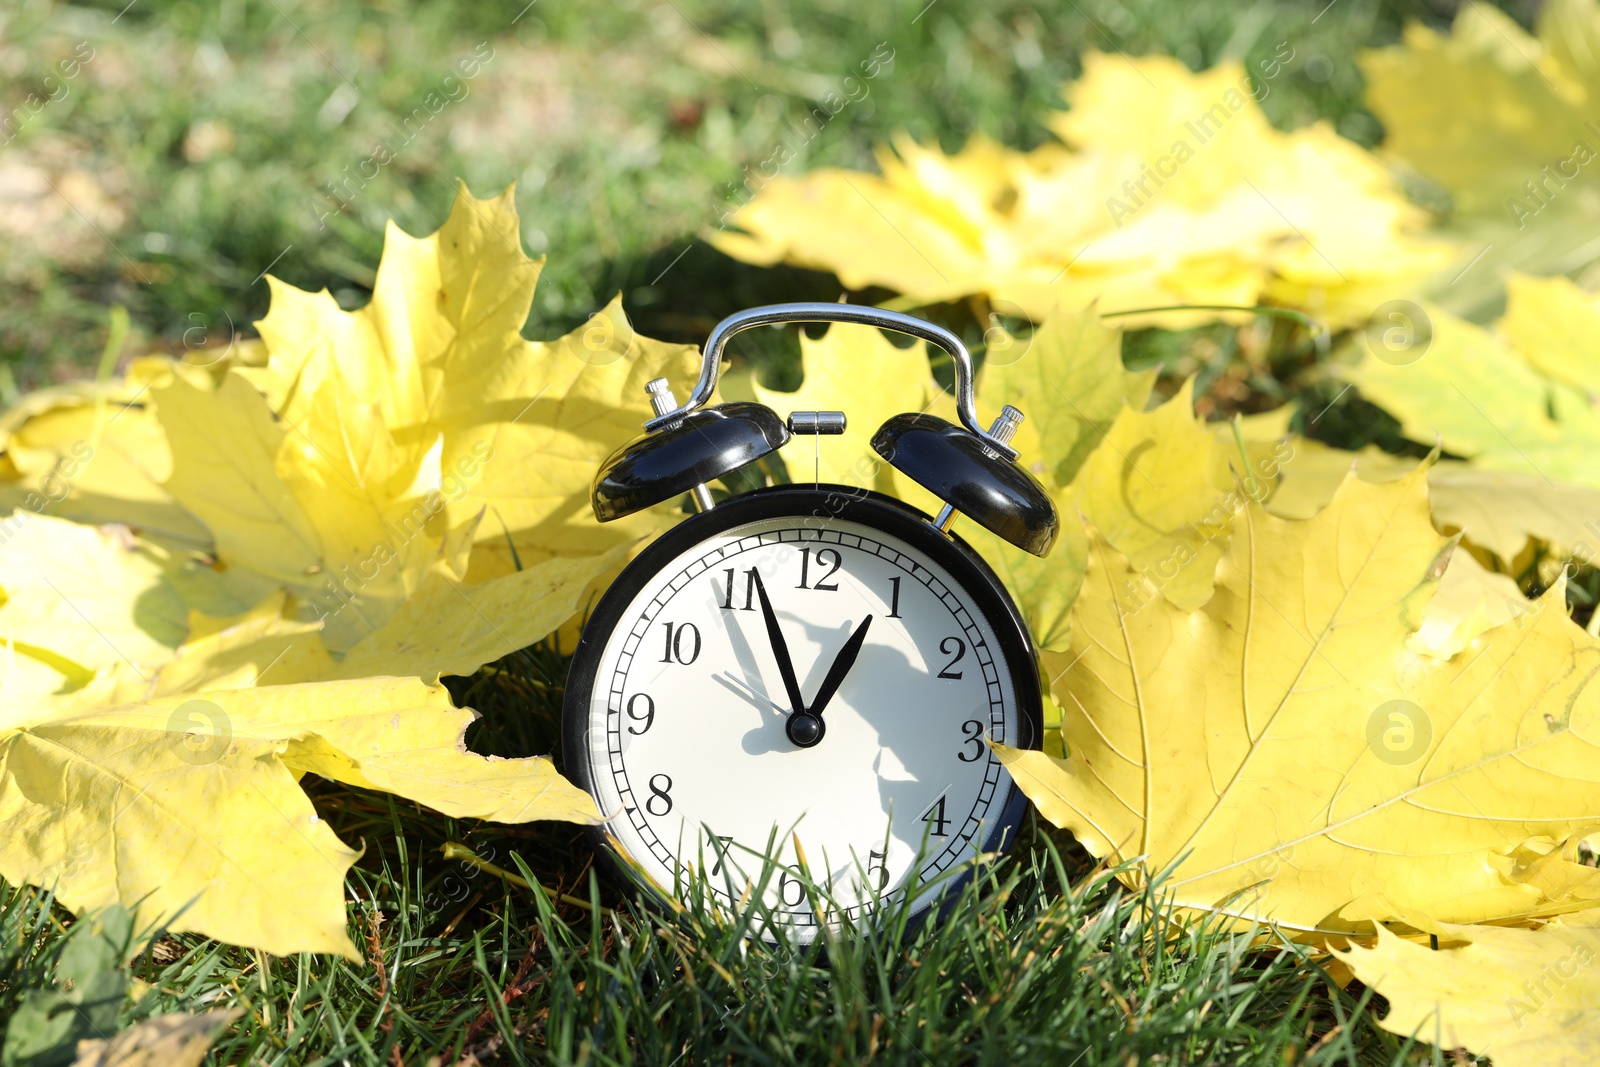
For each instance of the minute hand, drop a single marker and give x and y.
(780, 649)
(841, 667)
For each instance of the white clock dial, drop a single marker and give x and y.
(687, 744)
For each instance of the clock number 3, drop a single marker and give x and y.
(677, 648)
(972, 730)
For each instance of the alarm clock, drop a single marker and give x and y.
(798, 685)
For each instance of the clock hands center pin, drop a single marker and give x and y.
(805, 725)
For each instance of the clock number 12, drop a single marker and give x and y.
(826, 557)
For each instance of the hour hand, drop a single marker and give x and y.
(841, 667)
(780, 649)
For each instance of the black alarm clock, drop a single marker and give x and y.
(805, 678)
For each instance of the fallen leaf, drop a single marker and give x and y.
(177, 1039)
(189, 807)
(1505, 122)
(1174, 190)
(1524, 997)
(1285, 752)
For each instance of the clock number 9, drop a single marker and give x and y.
(956, 649)
(674, 647)
(826, 557)
(659, 792)
(649, 715)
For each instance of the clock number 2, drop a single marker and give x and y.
(826, 557)
(956, 649)
(674, 647)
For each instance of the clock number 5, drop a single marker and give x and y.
(673, 650)
(826, 557)
(875, 862)
(956, 649)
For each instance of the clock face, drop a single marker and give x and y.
(686, 732)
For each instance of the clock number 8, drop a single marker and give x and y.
(659, 792)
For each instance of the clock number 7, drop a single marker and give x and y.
(722, 844)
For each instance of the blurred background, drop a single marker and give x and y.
(207, 142)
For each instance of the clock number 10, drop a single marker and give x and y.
(682, 644)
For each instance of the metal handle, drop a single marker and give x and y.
(966, 408)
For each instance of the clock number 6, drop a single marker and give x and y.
(659, 792)
(784, 882)
(956, 653)
(673, 649)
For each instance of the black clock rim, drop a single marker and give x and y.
(823, 500)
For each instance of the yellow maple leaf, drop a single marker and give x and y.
(1477, 396)
(1506, 123)
(165, 803)
(1175, 190)
(1524, 997)
(858, 369)
(1285, 751)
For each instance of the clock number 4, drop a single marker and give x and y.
(936, 820)
(826, 557)
(682, 643)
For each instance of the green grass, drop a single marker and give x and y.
(1046, 960)
(201, 141)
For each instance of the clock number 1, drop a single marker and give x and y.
(826, 557)
(894, 599)
(674, 648)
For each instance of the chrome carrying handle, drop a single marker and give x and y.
(966, 408)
